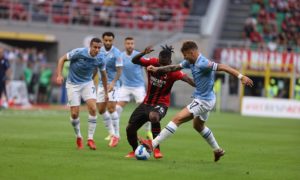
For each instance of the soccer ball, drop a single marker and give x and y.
(141, 153)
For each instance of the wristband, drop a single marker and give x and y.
(240, 76)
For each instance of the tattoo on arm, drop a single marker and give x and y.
(169, 68)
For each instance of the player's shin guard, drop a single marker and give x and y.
(108, 123)
(165, 133)
(92, 123)
(115, 122)
(76, 125)
(209, 137)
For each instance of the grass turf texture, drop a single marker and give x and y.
(41, 145)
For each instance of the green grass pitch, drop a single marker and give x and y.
(40, 144)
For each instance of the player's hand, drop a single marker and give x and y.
(59, 80)
(247, 81)
(152, 68)
(110, 87)
(106, 97)
(148, 50)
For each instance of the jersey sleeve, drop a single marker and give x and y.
(119, 59)
(73, 54)
(185, 64)
(206, 64)
(178, 75)
(148, 61)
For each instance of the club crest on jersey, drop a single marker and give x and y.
(157, 82)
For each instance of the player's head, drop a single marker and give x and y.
(108, 39)
(95, 46)
(189, 51)
(165, 55)
(129, 44)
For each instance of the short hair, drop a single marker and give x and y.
(108, 34)
(166, 51)
(128, 38)
(96, 40)
(189, 45)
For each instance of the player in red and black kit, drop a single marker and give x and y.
(157, 100)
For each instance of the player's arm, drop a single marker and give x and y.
(60, 65)
(117, 77)
(188, 80)
(164, 69)
(136, 58)
(244, 79)
(104, 82)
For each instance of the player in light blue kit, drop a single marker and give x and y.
(84, 62)
(133, 82)
(203, 71)
(114, 65)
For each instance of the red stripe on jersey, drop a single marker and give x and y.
(159, 86)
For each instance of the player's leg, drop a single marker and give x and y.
(111, 107)
(73, 94)
(137, 119)
(101, 106)
(183, 116)
(201, 116)
(89, 95)
(139, 94)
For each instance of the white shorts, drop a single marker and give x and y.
(138, 93)
(77, 91)
(112, 95)
(201, 108)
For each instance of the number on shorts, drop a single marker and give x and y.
(194, 104)
(93, 89)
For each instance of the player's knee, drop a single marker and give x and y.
(154, 118)
(130, 129)
(74, 115)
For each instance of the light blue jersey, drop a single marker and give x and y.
(132, 74)
(82, 65)
(112, 60)
(203, 72)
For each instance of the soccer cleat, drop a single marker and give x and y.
(114, 141)
(108, 137)
(130, 155)
(157, 154)
(147, 143)
(218, 154)
(149, 135)
(79, 143)
(91, 144)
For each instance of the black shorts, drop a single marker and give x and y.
(141, 114)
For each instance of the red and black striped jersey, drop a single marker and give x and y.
(159, 86)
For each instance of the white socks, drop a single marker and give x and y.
(115, 122)
(119, 110)
(92, 123)
(108, 123)
(164, 134)
(209, 137)
(76, 125)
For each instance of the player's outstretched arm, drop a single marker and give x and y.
(164, 69)
(136, 58)
(60, 65)
(244, 79)
(189, 80)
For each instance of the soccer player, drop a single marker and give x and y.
(132, 81)
(114, 65)
(157, 100)
(203, 71)
(83, 63)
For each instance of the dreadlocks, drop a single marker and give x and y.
(166, 52)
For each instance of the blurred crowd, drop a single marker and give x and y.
(125, 13)
(274, 24)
